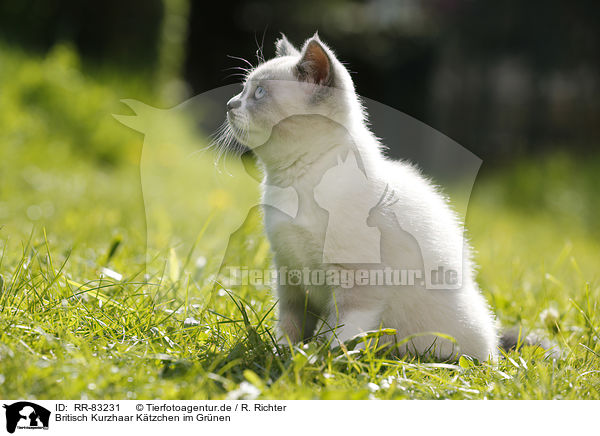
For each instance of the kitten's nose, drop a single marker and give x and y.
(234, 103)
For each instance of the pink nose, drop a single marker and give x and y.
(234, 103)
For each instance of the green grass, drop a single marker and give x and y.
(71, 204)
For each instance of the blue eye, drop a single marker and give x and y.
(259, 92)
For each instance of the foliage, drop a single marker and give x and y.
(83, 316)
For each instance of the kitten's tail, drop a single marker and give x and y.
(515, 339)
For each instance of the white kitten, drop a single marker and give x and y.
(338, 208)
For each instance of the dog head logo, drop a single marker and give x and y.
(186, 195)
(26, 415)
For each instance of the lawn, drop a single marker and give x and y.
(95, 305)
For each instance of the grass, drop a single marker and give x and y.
(72, 213)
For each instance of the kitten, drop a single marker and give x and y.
(353, 210)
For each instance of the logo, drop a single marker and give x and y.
(26, 415)
(361, 231)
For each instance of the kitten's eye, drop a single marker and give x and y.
(259, 92)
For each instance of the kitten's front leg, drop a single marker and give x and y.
(296, 321)
(352, 312)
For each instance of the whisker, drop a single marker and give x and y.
(262, 42)
(229, 139)
(243, 76)
(259, 51)
(247, 70)
(242, 59)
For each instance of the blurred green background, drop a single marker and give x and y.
(501, 78)
(516, 83)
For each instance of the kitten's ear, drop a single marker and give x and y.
(283, 47)
(315, 64)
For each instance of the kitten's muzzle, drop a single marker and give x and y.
(234, 103)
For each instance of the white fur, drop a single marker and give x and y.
(299, 138)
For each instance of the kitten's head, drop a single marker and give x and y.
(295, 82)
